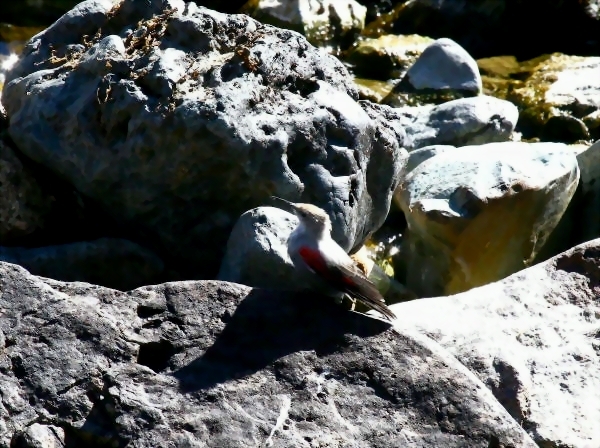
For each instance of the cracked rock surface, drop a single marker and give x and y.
(533, 339)
(176, 119)
(214, 364)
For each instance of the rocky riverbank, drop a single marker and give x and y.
(140, 143)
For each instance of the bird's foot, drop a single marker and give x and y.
(340, 300)
(352, 302)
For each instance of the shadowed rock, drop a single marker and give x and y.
(215, 364)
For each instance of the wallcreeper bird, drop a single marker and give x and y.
(331, 271)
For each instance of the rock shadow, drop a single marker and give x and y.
(268, 325)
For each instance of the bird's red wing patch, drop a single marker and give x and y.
(348, 281)
(353, 283)
(313, 260)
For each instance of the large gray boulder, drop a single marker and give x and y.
(533, 339)
(177, 119)
(256, 253)
(444, 68)
(214, 364)
(445, 65)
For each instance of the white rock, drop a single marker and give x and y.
(533, 339)
(465, 121)
(445, 65)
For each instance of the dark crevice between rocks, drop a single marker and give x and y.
(231, 70)
(156, 354)
(154, 323)
(570, 230)
(339, 162)
(302, 87)
(99, 428)
(353, 193)
(73, 216)
(297, 153)
(507, 389)
(381, 391)
(584, 261)
(494, 442)
(18, 367)
(146, 311)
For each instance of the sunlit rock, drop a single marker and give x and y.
(388, 56)
(444, 71)
(477, 214)
(533, 339)
(325, 23)
(558, 98)
(181, 118)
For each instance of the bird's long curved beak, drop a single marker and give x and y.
(286, 202)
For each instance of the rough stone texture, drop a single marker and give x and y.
(466, 121)
(40, 436)
(388, 56)
(418, 156)
(325, 23)
(23, 204)
(444, 65)
(256, 253)
(558, 97)
(479, 213)
(110, 262)
(533, 339)
(214, 364)
(177, 124)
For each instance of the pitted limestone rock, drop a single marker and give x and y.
(176, 119)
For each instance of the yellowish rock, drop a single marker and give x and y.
(477, 214)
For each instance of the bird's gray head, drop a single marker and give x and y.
(312, 217)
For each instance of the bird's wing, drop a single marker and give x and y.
(347, 279)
